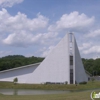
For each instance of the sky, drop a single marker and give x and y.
(34, 27)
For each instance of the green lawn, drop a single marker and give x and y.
(69, 96)
(89, 85)
(85, 95)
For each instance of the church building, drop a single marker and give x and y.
(62, 65)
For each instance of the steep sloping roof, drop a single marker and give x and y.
(20, 67)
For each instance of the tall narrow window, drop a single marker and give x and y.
(71, 76)
(70, 44)
(71, 57)
(71, 60)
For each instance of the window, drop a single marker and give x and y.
(71, 76)
(71, 60)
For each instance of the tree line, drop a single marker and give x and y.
(13, 61)
(92, 66)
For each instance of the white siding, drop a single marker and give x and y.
(21, 73)
(80, 74)
(55, 67)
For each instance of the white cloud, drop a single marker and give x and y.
(46, 51)
(23, 39)
(92, 49)
(85, 46)
(9, 3)
(20, 22)
(94, 33)
(20, 29)
(73, 20)
(89, 49)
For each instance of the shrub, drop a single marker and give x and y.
(66, 82)
(15, 80)
(83, 82)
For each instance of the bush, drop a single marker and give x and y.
(66, 82)
(15, 80)
(83, 82)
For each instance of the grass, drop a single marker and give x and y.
(69, 96)
(85, 95)
(89, 85)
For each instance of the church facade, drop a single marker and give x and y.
(63, 64)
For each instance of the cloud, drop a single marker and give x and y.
(9, 3)
(93, 49)
(73, 20)
(94, 33)
(46, 51)
(90, 49)
(85, 46)
(23, 39)
(19, 29)
(20, 22)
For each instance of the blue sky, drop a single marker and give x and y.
(34, 27)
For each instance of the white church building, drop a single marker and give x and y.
(63, 64)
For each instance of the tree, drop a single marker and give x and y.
(15, 80)
(14, 61)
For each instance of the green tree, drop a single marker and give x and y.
(15, 80)
(13, 61)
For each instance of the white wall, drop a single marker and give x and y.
(80, 74)
(22, 74)
(55, 67)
